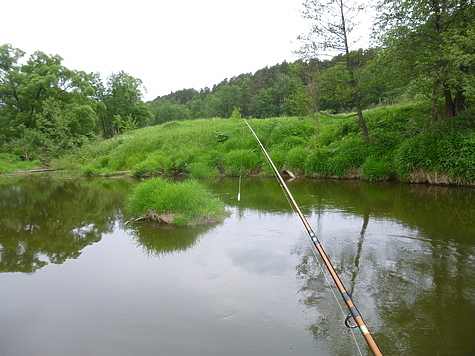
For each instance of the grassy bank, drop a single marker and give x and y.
(10, 163)
(402, 147)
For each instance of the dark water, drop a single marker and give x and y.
(75, 280)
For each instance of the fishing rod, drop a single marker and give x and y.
(354, 313)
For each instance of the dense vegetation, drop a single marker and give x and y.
(402, 148)
(425, 54)
(180, 203)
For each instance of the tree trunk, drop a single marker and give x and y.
(361, 119)
(459, 102)
(449, 104)
(455, 104)
(357, 102)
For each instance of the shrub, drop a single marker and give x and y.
(180, 203)
(350, 152)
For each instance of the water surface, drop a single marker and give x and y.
(76, 280)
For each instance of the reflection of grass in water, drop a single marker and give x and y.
(158, 239)
(180, 203)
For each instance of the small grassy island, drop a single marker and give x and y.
(178, 203)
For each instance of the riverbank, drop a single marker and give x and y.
(402, 147)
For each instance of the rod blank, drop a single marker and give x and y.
(339, 284)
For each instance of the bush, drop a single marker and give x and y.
(180, 203)
(291, 142)
(350, 152)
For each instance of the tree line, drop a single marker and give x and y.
(425, 51)
(46, 108)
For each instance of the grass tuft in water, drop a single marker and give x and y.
(179, 203)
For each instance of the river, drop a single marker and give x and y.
(75, 279)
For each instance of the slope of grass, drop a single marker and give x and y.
(402, 147)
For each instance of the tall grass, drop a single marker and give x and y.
(401, 143)
(446, 148)
(184, 203)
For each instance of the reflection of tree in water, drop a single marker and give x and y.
(327, 326)
(49, 221)
(417, 290)
(159, 239)
(426, 298)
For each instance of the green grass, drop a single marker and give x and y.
(401, 143)
(11, 163)
(180, 203)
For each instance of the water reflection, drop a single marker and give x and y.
(159, 239)
(49, 220)
(405, 253)
(410, 264)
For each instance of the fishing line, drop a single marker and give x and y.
(354, 312)
(241, 167)
(332, 289)
(239, 189)
(325, 275)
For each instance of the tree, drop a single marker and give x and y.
(44, 106)
(432, 42)
(124, 107)
(169, 111)
(333, 23)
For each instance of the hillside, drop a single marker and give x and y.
(401, 148)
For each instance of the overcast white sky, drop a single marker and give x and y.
(169, 45)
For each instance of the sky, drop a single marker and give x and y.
(169, 45)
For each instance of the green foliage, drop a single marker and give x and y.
(188, 202)
(429, 46)
(338, 158)
(296, 158)
(47, 109)
(169, 111)
(284, 128)
(374, 169)
(152, 165)
(194, 148)
(446, 148)
(240, 162)
(201, 169)
(236, 115)
(350, 153)
(12, 163)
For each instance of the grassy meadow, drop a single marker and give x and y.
(402, 147)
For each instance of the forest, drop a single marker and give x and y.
(425, 52)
